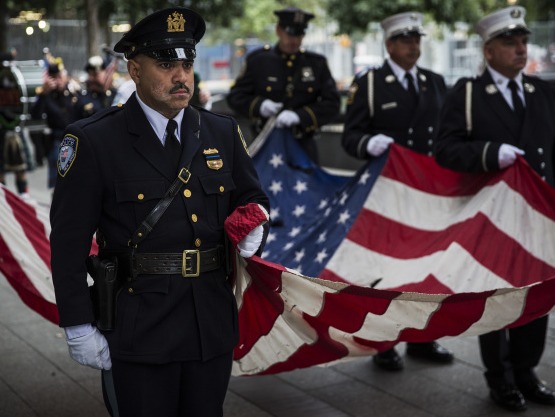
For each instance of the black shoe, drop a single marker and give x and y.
(537, 392)
(431, 351)
(389, 360)
(508, 397)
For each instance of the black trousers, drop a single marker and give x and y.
(176, 389)
(510, 355)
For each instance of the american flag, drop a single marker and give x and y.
(403, 250)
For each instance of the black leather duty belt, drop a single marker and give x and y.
(189, 263)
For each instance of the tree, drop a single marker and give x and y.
(355, 16)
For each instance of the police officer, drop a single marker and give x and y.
(288, 82)
(486, 123)
(56, 101)
(98, 91)
(398, 102)
(170, 353)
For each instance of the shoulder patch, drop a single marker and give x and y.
(67, 154)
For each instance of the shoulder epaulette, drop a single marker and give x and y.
(100, 115)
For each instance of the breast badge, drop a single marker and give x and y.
(67, 153)
(213, 158)
(307, 75)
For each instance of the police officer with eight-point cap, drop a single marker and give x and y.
(288, 82)
(170, 353)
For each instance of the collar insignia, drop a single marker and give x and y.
(390, 78)
(529, 88)
(491, 89)
(213, 158)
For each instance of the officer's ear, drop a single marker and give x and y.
(134, 69)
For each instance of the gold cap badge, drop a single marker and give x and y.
(176, 22)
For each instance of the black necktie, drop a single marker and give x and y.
(172, 145)
(411, 88)
(518, 106)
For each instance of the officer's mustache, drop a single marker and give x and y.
(180, 86)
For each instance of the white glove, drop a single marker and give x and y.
(378, 144)
(287, 118)
(270, 108)
(90, 349)
(508, 154)
(250, 243)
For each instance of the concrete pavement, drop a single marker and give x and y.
(38, 379)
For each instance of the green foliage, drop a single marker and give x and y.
(355, 16)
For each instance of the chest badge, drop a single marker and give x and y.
(308, 75)
(213, 158)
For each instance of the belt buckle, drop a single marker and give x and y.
(187, 256)
(184, 175)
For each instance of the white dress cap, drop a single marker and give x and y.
(403, 24)
(506, 22)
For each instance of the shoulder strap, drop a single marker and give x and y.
(468, 107)
(371, 92)
(156, 213)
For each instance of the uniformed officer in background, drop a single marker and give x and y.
(55, 104)
(509, 114)
(170, 353)
(398, 102)
(288, 82)
(98, 91)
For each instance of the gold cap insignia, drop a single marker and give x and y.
(213, 158)
(176, 22)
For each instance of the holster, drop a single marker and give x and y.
(104, 291)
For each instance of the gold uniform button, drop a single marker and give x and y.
(268, 89)
(194, 218)
(130, 290)
(289, 78)
(289, 63)
(222, 188)
(187, 193)
(310, 89)
(141, 196)
(197, 243)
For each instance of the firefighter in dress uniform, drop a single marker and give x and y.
(397, 102)
(170, 352)
(288, 82)
(486, 123)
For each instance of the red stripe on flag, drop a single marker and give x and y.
(33, 228)
(24, 286)
(371, 230)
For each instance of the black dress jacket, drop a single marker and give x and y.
(119, 173)
(470, 135)
(394, 114)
